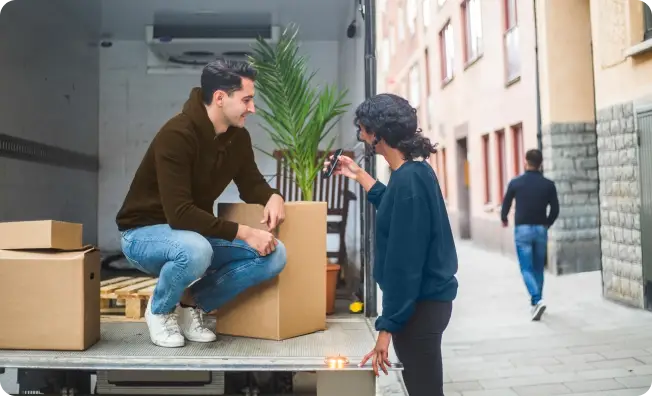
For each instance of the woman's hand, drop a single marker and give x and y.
(345, 166)
(380, 354)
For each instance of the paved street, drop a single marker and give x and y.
(584, 345)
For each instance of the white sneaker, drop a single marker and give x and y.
(538, 310)
(191, 322)
(164, 329)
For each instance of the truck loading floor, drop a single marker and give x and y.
(127, 346)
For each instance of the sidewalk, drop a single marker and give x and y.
(584, 345)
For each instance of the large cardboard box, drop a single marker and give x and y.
(294, 303)
(51, 297)
(40, 234)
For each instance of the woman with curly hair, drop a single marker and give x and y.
(416, 260)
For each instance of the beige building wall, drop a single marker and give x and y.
(623, 85)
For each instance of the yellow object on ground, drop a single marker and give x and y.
(356, 307)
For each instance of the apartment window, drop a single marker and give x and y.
(519, 155)
(426, 13)
(411, 16)
(447, 49)
(392, 43)
(415, 93)
(502, 164)
(472, 22)
(401, 25)
(511, 42)
(647, 21)
(486, 166)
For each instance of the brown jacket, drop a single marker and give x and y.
(186, 167)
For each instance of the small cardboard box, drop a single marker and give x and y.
(41, 234)
(294, 303)
(51, 299)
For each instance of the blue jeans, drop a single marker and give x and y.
(531, 247)
(179, 258)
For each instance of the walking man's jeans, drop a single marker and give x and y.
(531, 246)
(179, 258)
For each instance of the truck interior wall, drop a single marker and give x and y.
(134, 105)
(67, 92)
(49, 63)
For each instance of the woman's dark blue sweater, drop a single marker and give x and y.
(415, 252)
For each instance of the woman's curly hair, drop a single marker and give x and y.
(393, 119)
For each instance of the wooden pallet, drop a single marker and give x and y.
(126, 295)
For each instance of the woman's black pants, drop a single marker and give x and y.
(418, 347)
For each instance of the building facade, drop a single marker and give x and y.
(469, 68)
(573, 78)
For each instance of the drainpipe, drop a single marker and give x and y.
(536, 64)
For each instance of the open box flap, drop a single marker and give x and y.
(46, 254)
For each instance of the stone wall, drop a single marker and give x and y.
(620, 205)
(570, 160)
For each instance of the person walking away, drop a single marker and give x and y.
(166, 221)
(534, 194)
(416, 259)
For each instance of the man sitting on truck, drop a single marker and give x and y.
(166, 221)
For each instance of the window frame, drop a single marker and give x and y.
(486, 162)
(447, 52)
(469, 32)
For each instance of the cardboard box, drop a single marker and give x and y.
(42, 234)
(50, 299)
(294, 303)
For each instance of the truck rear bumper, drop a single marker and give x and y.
(126, 346)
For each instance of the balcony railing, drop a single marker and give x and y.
(512, 54)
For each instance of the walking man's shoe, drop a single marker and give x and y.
(538, 310)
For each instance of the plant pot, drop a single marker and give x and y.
(332, 271)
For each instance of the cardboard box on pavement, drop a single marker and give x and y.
(51, 295)
(294, 303)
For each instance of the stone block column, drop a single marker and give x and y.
(569, 141)
(620, 205)
(570, 160)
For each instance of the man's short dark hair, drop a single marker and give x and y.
(534, 158)
(224, 75)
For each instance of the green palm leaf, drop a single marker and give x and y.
(299, 116)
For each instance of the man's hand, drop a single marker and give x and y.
(274, 212)
(380, 354)
(261, 240)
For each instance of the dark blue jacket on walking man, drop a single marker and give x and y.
(534, 195)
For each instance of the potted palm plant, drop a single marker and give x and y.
(298, 118)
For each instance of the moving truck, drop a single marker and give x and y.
(85, 86)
